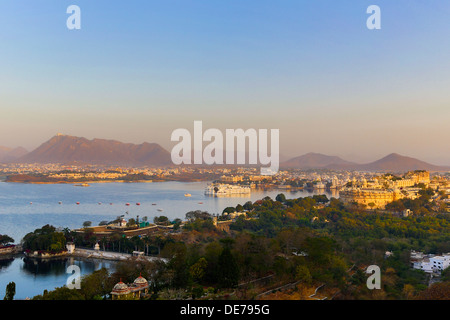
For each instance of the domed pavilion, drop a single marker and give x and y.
(135, 290)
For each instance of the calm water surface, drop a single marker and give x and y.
(26, 207)
(32, 277)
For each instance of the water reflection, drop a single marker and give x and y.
(33, 276)
(58, 266)
(6, 261)
(44, 267)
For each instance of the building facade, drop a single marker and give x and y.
(133, 291)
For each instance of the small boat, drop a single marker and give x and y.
(153, 204)
(111, 204)
(160, 209)
(78, 203)
(200, 203)
(60, 202)
(82, 185)
(31, 202)
(99, 203)
(138, 204)
(127, 204)
(187, 195)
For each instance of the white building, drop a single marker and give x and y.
(424, 265)
(430, 263)
(70, 247)
(439, 263)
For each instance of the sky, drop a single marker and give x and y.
(138, 70)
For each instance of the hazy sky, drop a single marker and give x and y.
(137, 70)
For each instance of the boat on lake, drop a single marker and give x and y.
(82, 185)
(219, 189)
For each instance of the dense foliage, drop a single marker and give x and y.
(46, 238)
(310, 241)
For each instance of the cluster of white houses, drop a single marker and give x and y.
(430, 263)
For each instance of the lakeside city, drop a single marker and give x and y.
(151, 239)
(224, 158)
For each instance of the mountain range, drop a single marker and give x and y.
(70, 150)
(11, 154)
(391, 162)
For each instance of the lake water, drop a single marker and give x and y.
(33, 277)
(26, 207)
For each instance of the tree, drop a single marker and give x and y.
(248, 206)
(179, 265)
(320, 198)
(46, 238)
(198, 214)
(87, 224)
(212, 254)
(60, 293)
(396, 206)
(302, 274)
(96, 284)
(5, 240)
(162, 220)
(131, 222)
(176, 224)
(437, 291)
(10, 291)
(281, 198)
(228, 269)
(197, 270)
(408, 291)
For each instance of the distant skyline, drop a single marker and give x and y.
(136, 71)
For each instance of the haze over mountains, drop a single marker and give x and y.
(391, 162)
(67, 149)
(11, 154)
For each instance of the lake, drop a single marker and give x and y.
(26, 207)
(32, 277)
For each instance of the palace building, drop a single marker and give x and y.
(376, 194)
(373, 198)
(135, 290)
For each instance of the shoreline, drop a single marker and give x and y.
(75, 183)
(103, 181)
(88, 254)
(109, 255)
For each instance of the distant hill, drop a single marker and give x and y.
(11, 154)
(70, 149)
(397, 162)
(314, 161)
(392, 162)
